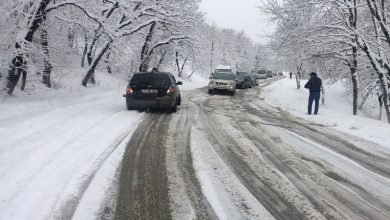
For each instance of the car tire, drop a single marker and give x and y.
(211, 91)
(232, 93)
(179, 100)
(173, 109)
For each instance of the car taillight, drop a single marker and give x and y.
(171, 90)
(129, 90)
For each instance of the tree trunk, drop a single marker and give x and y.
(145, 58)
(132, 67)
(177, 64)
(355, 92)
(90, 57)
(71, 39)
(353, 13)
(94, 63)
(24, 80)
(354, 78)
(385, 97)
(15, 72)
(364, 100)
(191, 74)
(18, 62)
(212, 57)
(161, 60)
(182, 67)
(92, 76)
(380, 100)
(298, 76)
(109, 70)
(46, 60)
(85, 50)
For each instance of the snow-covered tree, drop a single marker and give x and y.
(335, 37)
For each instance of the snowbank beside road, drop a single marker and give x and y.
(336, 113)
(60, 149)
(194, 82)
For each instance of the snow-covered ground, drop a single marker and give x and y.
(194, 82)
(336, 113)
(60, 148)
(225, 192)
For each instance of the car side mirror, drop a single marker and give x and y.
(179, 83)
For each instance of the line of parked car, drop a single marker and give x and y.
(227, 79)
(263, 73)
(160, 90)
(245, 80)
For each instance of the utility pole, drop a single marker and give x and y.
(212, 49)
(212, 55)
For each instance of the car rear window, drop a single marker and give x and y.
(154, 80)
(241, 76)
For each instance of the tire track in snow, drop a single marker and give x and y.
(349, 201)
(68, 208)
(243, 138)
(261, 180)
(227, 195)
(321, 135)
(143, 186)
(187, 199)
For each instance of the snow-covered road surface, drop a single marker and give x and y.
(223, 157)
(59, 161)
(219, 157)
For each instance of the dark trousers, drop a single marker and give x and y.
(314, 96)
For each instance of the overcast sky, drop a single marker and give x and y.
(239, 15)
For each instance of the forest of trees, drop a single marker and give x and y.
(43, 40)
(342, 39)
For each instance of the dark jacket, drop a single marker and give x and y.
(314, 84)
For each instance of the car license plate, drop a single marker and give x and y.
(149, 91)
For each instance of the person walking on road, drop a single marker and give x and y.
(314, 85)
(290, 75)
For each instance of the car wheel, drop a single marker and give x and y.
(232, 93)
(129, 107)
(211, 91)
(173, 109)
(179, 100)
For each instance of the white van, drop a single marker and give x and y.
(262, 73)
(223, 79)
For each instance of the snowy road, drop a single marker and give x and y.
(223, 157)
(219, 157)
(58, 159)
